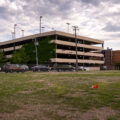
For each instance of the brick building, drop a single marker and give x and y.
(112, 58)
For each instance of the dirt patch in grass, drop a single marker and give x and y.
(27, 113)
(101, 114)
(50, 84)
(26, 92)
(38, 80)
(108, 79)
(77, 94)
(53, 112)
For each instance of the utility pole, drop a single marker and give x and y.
(68, 26)
(40, 23)
(75, 28)
(15, 31)
(36, 51)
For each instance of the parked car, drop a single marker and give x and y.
(83, 68)
(103, 68)
(60, 68)
(13, 68)
(24, 67)
(40, 68)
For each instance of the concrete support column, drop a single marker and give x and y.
(83, 55)
(14, 46)
(3, 50)
(102, 52)
(102, 45)
(56, 37)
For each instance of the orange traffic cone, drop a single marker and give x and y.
(95, 86)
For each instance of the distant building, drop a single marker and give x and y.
(89, 50)
(112, 58)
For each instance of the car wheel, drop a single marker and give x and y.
(22, 71)
(11, 71)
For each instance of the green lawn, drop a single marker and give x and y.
(60, 96)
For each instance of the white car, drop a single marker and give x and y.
(83, 68)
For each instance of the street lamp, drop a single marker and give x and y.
(12, 35)
(52, 28)
(36, 51)
(22, 33)
(68, 26)
(40, 23)
(15, 26)
(43, 29)
(15, 30)
(75, 28)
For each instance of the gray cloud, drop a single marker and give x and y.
(115, 1)
(48, 7)
(92, 2)
(97, 2)
(5, 13)
(111, 27)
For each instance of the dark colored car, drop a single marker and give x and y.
(13, 68)
(60, 68)
(40, 68)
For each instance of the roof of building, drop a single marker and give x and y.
(51, 33)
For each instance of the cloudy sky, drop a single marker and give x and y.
(95, 18)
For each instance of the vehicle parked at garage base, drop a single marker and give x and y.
(24, 67)
(40, 68)
(13, 68)
(60, 68)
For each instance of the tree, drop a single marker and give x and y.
(20, 56)
(30, 51)
(2, 57)
(26, 54)
(46, 50)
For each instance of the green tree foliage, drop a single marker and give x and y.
(30, 51)
(2, 57)
(46, 50)
(20, 56)
(26, 54)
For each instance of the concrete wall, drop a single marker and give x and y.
(62, 60)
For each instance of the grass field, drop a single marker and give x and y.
(60, 96)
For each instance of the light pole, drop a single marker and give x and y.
(12, 35)
(36, 51)
(52, 28)
(68, 26)
(15, 31)
(22, 33)
(15, 26)
(40, 23)
(43, 29)
(75, 28)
